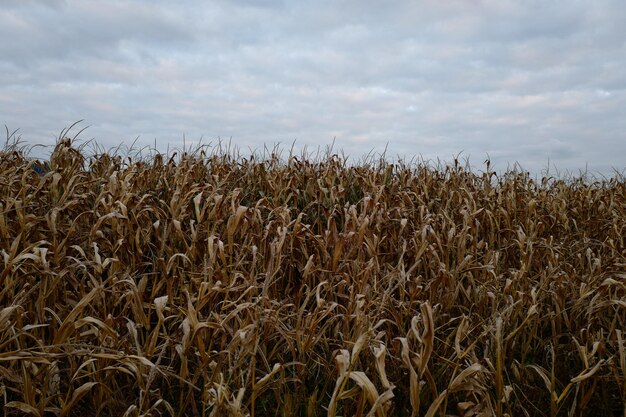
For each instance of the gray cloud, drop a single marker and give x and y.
(522, 81)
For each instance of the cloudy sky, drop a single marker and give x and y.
(526, 80)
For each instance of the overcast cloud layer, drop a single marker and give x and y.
(522, 81)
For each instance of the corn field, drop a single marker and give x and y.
(207, 284)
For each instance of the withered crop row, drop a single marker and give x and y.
(215, 285)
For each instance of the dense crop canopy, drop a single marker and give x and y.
(217, 285)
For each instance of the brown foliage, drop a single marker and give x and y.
(215, 285)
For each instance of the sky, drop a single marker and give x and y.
(540, 83)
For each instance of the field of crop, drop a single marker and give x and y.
(212, 285)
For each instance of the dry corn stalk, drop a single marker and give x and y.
(210, 283)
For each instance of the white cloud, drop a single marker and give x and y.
(522, 81)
